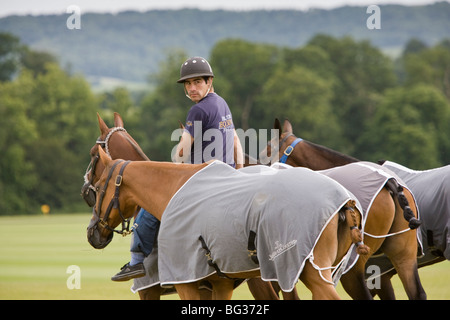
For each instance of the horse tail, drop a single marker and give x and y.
(355, 231)
(408, 214)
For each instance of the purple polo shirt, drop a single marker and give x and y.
(211, 124)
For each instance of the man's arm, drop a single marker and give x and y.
(238, 153)
(183, 148)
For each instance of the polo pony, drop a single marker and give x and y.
(389, 213)
(154, 185)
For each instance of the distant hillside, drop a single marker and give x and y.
(130, 45)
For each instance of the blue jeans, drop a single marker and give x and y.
(145, 231)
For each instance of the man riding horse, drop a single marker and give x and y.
(209, 117)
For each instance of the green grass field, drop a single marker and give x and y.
(36, 251)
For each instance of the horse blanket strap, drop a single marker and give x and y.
(430, 241)
(210, 260)
(252, 248)
(289, 150)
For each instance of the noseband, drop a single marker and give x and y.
(114, 204)
(88, 191)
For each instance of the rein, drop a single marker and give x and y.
(114, 204)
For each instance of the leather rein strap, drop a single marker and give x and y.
(114, 204)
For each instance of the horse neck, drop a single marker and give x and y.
(152, 184)
(316, 157)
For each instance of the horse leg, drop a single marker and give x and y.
(319, 282)
(385, 291)
(261, 290)
(354, 282)
(379, 221)
(152, 293)
(320, 289)
(291, 295)
(402, 251)
(188, 291)
(205, 294)
(222, 289)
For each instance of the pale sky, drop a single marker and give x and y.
(38, 7)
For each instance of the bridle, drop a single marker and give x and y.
(88, 191)
(287, 152)
(105, 143)
(114, 203)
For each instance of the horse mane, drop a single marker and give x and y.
(330, 153)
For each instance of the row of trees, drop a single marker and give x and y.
(338, 92)
(46, 125)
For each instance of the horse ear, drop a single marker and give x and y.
(277, 126)
(104, 157)
(102, 125)
(118, 122)
(287, 126)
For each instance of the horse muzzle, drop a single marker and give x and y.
(96, 236)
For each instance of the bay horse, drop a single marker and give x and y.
(387, 215)
(160, 182)
(431, 188)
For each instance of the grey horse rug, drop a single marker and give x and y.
(365, 180)
(431, 188)
(287, 209)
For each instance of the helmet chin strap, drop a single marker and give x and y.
(209, 89)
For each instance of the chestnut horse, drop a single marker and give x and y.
(386, 216)
(120, 145)
(161, 181)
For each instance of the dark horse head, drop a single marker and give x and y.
(117, 144)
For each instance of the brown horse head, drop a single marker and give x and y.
(273, 151)
(120, 145)
(304, 153)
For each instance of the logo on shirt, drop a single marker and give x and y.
(226, 123)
